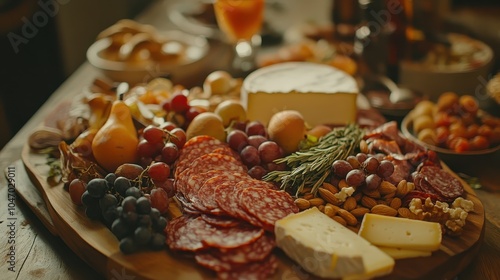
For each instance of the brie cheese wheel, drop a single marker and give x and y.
(400, 233)
(327, 249)
(321, 93)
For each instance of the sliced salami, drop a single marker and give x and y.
(209, 260)
(219, 221)
(227, 197)
(443, 183)
(187, 233)
(255, 270)
(194, 148)
(206, 163)
(233, 237)
(267, 205)
(255, 251)
(195, 182)
(206, 194)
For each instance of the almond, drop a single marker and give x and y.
(340, 220)
(306, 190)
(317, 201)
(334, 207)
(343, 184)
(395, 203)
(350, 203)
(321, 208)
(330, 187)
(386, 187)
(404, 212)
(372, 193)
(328, 196)
(302, 203)
(363, 146)
(348, 217)
(329, 210)
(308, 196)
(368, 202)
(385, 210)
(360, 212)
(358, 196)
(404, 188)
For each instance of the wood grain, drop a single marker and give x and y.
(96, 245)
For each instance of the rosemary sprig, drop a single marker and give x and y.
(311, 167)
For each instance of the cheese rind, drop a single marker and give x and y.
(321, 93)
(398, 253)
(401, 233)
(325, 248)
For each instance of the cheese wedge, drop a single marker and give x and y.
(321, 93)
(398, 253)
(400, 233)
(327, 249)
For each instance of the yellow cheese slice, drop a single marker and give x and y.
(398, 253)
(400, 233)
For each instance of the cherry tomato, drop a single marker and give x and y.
(479, 143)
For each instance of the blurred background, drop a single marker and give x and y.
(42, 42)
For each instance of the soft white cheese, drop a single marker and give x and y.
(401, 233)
(327, 249)
(321, 93)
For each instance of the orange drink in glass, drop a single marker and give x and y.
(240, 20)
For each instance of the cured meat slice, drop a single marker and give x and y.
(195, 182)
(186, 206)
(255, 251)
(227, 197)
(194, 148)
(267, 205)
(187, 233)
(206, 194)
(221, 221)
(442, 182)
(421, 195)
(254, 270)
(206, 163)
(233, 237)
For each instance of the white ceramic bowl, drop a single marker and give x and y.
(134, 73)
(462, 78)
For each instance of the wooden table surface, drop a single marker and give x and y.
(41, 255)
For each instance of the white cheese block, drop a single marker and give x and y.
(325, 248)
(321, 93)
(398, 253)
(400, 233)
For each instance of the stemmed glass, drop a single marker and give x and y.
(241, 21)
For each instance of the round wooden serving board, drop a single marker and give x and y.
(97, 246)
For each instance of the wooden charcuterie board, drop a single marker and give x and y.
(97, 246)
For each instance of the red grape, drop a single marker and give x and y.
(159, 172)
(250, 156)
(256, 128)
(355, 178)
(340, 168)
(168, 126)
(256, 140)
(179, 137)
(385, 169)
(168, 186)
(179, 102)
(193, 112)
(269, 151)
(169, 153)
(146, 149)
(159, 199)
(237, 140)
(153, 134)
(167, 105)
(373, 181)
(257, 172)
(370, 165)
(361, 157)
(76, 189)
